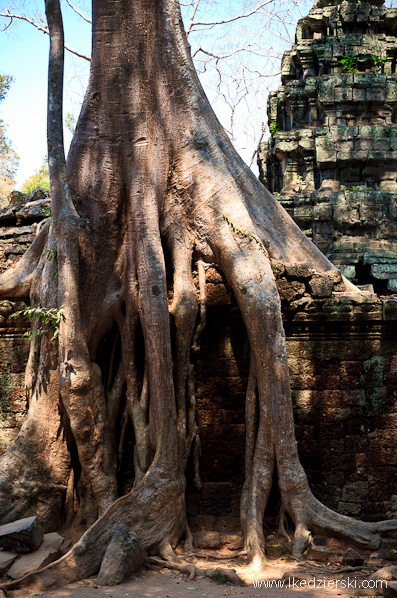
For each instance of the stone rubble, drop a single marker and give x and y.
(23, 535)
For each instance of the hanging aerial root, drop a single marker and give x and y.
(184, 309)
(281, 524)
(203, 308)
(270, 425)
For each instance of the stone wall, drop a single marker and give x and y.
(343, 370)
(19, 222)
(332, 156)
(14, 352)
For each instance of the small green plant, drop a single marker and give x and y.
(274, 128)
(300, 181)
(349, 63)
(241, 233)
(50, 255)
(356, 188)
(46, 212)
(379, 63)
(48, 318)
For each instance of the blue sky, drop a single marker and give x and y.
(25, 57)
(24, 52)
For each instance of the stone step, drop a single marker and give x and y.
(46, 554)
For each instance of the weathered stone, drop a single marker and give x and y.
(23, 535)
(290, 290)
(232, 541)
(123, 557)
(333, 168)
(320, 553)
(388, 549)
(278, 268)
(207, 539)
(46, 553)
(17, 198)
(321, 286)
(298, 270)
(6, 560)
(385, 574)
(352, 558)
(16, 249)
(391, 590)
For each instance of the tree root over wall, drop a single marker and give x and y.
(153, 191)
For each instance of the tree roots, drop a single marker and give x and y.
(156, 192)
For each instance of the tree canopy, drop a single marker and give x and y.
(8, 157)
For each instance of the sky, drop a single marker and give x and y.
(236, 91)
(24, 56)
(24, 52)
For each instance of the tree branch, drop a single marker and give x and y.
(77, 11)
(43, 29)
(191, 22)
(224, 21)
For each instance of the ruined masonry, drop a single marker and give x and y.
(332, 160)
(332, 156)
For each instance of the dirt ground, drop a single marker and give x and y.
(164, 583)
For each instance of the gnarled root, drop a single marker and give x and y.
(159, 183)
(152, 510)
(220, 574)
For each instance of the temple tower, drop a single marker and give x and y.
(332, 156)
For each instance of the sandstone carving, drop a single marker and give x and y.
(332, 157)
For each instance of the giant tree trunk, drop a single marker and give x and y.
(157, 190)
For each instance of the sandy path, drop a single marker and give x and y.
(170, 584)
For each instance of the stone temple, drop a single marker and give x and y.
(332, 160)
(332, 156)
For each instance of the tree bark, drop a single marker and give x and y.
(154, 187)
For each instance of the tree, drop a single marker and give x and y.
(8, 157)
(152, 190)
(237, 52)
(40, 178)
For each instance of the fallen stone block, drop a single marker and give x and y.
(232, 541)
(207, 539)
(320, 553)
(46, 554)
(385, 574)
(123, 556)
(352, 558)
(321, 286)
(23, 535)
(6, 560)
